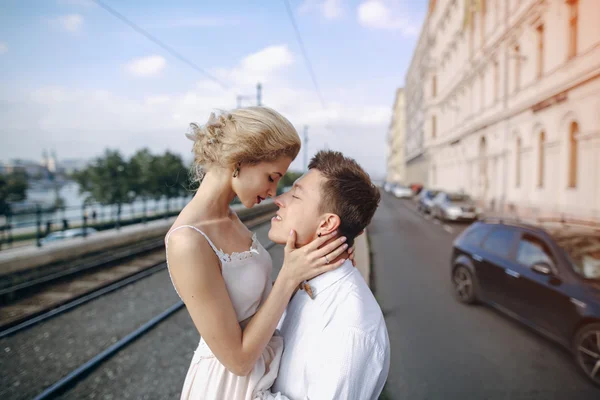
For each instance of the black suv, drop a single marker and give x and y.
(548, 279)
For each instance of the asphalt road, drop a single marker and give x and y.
(442, 349)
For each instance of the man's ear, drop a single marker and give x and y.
(330, 223)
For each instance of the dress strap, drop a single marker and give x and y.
(217, 251)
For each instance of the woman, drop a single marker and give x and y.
(219, 268)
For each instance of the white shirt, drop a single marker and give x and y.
(335, 346)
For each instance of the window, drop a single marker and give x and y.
(518, 163)
(482, 29)
(498, 11)
(532, 251)
(433, 126)
(573, 22)
(471, 34)
(499, 242)
(540, 50)
(542, 156)
(496, 80)
(482, 90)
(517, 56)
(475, 235)
(434, 86)
(573, 144)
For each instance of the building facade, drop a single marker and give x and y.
(395, 141)
(512, 104)
(416, 156)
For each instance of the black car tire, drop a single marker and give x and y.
(588, 360)
(464, 285)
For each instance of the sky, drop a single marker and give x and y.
(77, 80)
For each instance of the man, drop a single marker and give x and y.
(336, 343)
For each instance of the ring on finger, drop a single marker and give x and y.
(326, 259)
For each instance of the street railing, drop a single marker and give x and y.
(37, 224)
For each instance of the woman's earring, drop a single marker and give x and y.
(318, 234)
(236, 172)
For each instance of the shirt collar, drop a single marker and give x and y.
(322, 282)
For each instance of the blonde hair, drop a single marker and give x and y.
(245, 135)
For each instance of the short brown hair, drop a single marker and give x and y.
(348, 192)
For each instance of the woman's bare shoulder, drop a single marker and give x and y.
(187, 246)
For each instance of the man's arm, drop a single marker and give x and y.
(350, 365)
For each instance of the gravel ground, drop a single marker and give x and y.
(153, 367)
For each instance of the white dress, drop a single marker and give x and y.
(247, 276)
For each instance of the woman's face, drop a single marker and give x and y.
(255, 183)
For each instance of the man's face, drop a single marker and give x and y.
(299, 210)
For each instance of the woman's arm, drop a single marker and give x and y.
(196, 274)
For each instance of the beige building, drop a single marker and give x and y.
(416, 156)
(512, 103)
(395, 164)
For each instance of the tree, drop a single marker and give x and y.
(288, 180)
(13, 187)
(142, 182)
(169, 175)
(106, 180)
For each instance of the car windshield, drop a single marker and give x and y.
(431, 194)
(584, 253)
(455, 197)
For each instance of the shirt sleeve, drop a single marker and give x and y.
(350, 366)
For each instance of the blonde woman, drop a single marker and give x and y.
(219, 268)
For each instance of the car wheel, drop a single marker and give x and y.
(587, 351)
(464, 284)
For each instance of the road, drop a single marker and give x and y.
(442, 349)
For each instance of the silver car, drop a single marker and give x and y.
(455, 207)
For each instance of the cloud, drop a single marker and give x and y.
(262, 66)
(70, 23)
(330, 9)
(268, 60)
(377, 14)
(146, 66)
(82, 122)
(3, 48)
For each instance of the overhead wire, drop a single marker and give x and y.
(160, 43)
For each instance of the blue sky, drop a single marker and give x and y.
(76, 79)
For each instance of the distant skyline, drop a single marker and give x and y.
(76, 79)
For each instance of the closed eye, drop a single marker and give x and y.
(296, 197)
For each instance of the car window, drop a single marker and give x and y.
(475, 234)
(499, 241)
(455, 197)
(533, 250)
(583, 252)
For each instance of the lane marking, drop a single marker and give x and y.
(448, 228)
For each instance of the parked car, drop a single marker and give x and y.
(425, 201)
(548, 280)
(402, 192)
(67, 234)
(416, 188)
(387, 186)
(455, 207)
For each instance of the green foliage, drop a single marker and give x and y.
(288, 180)
(13, 187)
(106, 180)
(111, 179)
